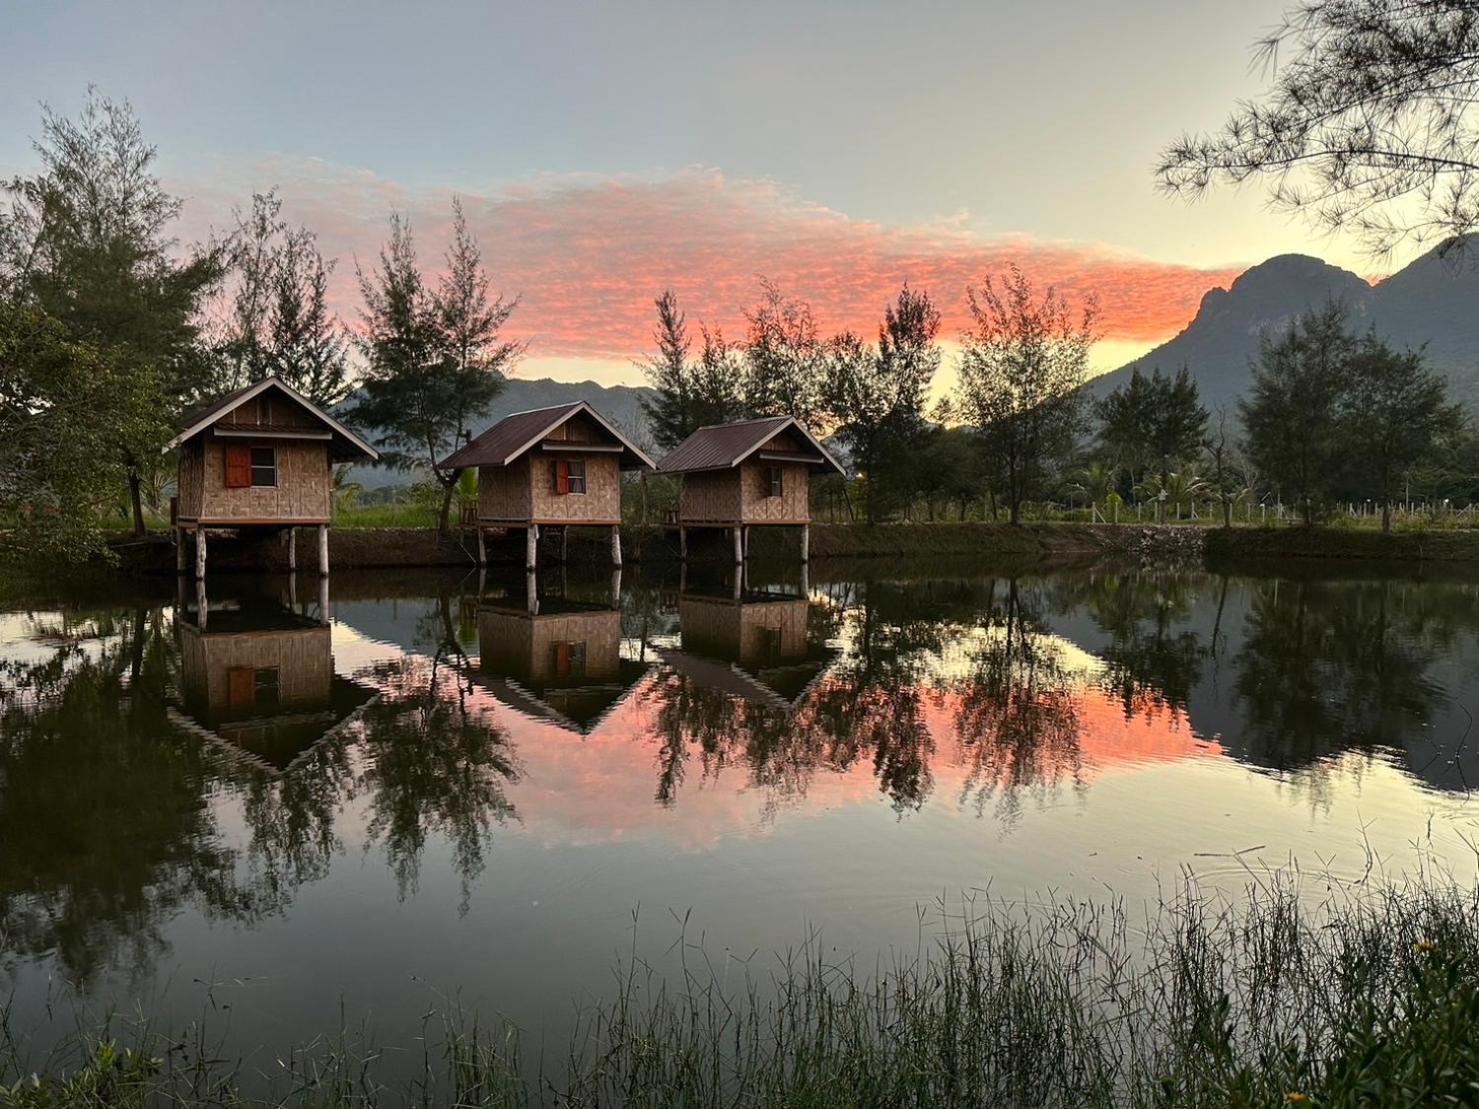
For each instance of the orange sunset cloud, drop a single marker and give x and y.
(587, 254)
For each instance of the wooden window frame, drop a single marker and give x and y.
(775, 481)
(568, 659)
(256, 466)
(567, 477)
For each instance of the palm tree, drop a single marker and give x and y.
(1096, 482)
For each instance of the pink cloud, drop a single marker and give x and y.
(588, 253)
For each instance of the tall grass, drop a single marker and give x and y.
(1370, 998)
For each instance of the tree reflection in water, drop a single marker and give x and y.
(1016, 709)
(433, 763)
(105, 812)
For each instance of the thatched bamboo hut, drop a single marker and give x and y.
(757, 646)
(549, 468)
(259, 680)
(558, 661)
(259, 458)
(747, 474)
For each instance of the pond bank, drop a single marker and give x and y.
(379, 548)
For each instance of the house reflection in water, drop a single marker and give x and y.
(555, 655)
(257, 676)
(754, 643)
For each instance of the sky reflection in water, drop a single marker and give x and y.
(413, 787)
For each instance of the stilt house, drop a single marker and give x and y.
(549, 468)
(259, 458)
(747, 474)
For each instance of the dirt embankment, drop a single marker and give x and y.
(366, 548)
(1336, 544)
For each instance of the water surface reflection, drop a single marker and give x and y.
(423, 781)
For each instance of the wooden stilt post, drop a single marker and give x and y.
(531, 587)
(682, 542)
(564, 544)
(293, 591)
(805, 584)
(179, 550)
(616, 588)
(323, 597)
(739, 548)
(805, 543)
(531, 547)
(616, 545)
(482, 547)
(200, 554)
(292, 550)
(745, 544)
(323, 549)
(202, 606)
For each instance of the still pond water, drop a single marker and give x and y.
(292, 808)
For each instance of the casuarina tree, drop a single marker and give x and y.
(1021, 368)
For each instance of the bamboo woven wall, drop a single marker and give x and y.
(521, 492)
(742, 632)
(601, 502)
(523, 647)
(304, 489)
(302, 657)
(793, 506)
(710, 498)
(191, 478)
(503, 491)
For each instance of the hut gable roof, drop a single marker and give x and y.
(516, 434)
(724, 446)
(347, 444)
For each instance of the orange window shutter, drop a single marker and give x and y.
(241, 689)
(238, 466)
(564, 479)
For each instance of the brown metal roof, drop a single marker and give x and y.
(723, 446)
(515, 434)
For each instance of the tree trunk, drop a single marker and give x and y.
(135, 498)
(444, 524)
(1226, 512)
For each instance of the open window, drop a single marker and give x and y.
(775, 481)
(264, 466)
(567, 475)
(567, 660)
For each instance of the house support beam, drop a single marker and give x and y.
(179, 551)
(805, 542)
(323, 598)
(482, 547)
(200, 554)
(682, 542)
(323, 549)
(564, 544)
(292, 550)
(531, 587)
(739, 545)
(616, 545)
(531, 547)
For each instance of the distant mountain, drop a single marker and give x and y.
(1433, 302)
(621, 404)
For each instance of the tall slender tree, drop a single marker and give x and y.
(785, 358)
(670, 411)
(876, 396)
(88, 242)
(1021, 368)
(435, 360)
(1292, 413)
(1397, 416)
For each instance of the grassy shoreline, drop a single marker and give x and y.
(1369, 997)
